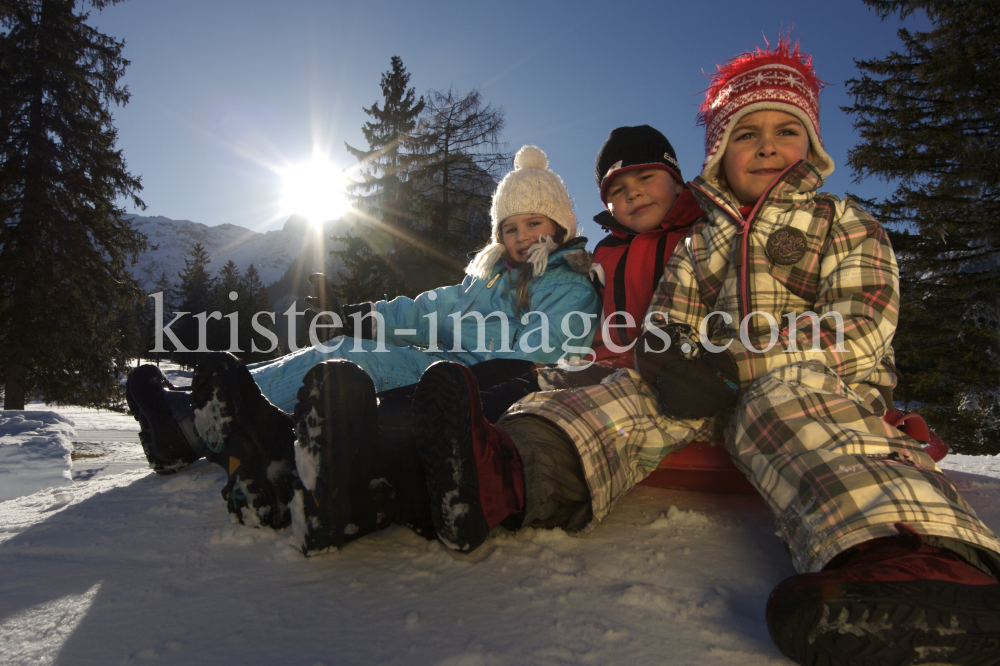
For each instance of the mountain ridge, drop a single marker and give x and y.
(272, 252)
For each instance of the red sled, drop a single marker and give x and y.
(707, 468)
(914, 425)
(700, 466)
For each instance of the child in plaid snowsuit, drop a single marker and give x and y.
(896, 567)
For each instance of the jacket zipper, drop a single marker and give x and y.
(744, 228)
(496, 277)
(489, 285)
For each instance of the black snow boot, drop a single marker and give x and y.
(475, 476)
(166, 420)
(352, 483)
(892, 600)
(250, 438)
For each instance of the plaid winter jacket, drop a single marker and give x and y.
(798, 251)
(807, 430)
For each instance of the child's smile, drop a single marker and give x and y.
(520, 232)
(761, 146)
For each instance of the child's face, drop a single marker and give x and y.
(519, 232)
(761, 146)
(640, 199)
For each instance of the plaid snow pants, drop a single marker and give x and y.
(833, 473)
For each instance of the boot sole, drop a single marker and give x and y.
(321, 508)
(135, 393)
(918, 622)
(445, 444)
(215, 380)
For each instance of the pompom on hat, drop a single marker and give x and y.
(530, 188)
(779, 79)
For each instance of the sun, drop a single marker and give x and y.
(314, 190)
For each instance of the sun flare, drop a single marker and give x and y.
(314, 190)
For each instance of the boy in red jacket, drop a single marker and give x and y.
(529, 473)
(648, 212)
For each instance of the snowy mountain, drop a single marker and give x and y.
(271, 253)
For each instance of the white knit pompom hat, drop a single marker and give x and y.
(530, 188)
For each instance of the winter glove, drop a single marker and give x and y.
(692, 382)
(322, 299)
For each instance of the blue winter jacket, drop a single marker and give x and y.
(564, 288)
(564, 294)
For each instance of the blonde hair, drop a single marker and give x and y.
(529, 267)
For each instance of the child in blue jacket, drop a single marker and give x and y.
(395, 341)
(527, 298)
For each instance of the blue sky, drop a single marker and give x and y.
(225, 93)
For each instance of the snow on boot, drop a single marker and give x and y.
(894, 600)
(166, 420)
(344, 495)
(474, 474)
(248, 437)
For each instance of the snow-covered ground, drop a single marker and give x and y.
(111, 564)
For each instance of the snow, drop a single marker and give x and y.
(35, 450)
(307, 459)
(121, 566)
(209, 422)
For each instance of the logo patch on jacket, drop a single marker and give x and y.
(786, 246)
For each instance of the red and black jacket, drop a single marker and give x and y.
(633, 265)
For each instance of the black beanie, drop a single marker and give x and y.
(640, 147)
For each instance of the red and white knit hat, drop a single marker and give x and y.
(782, 79)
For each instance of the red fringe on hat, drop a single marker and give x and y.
(784, 54)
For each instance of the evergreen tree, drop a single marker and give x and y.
(928, 121)
(380, 251)
(65, 248)
(165, 287)
(227, 282)
(131, 325)
(255, 299)
(194, 296)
